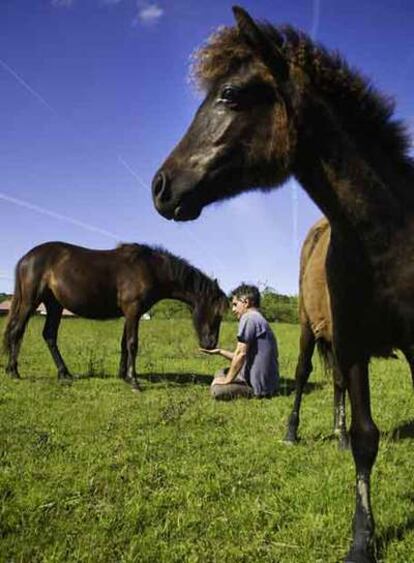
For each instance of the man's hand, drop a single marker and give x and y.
(212, 352)
(219, 380)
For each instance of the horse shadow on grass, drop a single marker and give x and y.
(178, 378)
(393, 533)
(397, 533)
(402, 432)
(286, 385)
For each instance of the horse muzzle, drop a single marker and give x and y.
(173, 203)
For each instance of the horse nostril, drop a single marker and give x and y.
(160, 187)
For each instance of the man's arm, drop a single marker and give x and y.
(225, 353)
(239, 357)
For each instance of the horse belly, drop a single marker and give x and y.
(96, 300)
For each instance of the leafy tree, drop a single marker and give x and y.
(279, 307)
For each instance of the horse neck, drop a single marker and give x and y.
(172, 288)
(348, 188)
(183, 295)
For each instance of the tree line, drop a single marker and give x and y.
(275, 306)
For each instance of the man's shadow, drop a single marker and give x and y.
(286, 385)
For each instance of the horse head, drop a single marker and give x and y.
(208, 312)
(242, 136)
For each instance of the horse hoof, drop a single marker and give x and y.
(65, 379)
(344, 443)
(133, 383)
(358, 556)
(12, 373)
(290, 439)
(288, 442)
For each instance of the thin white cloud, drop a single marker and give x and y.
(58, 216)
(26, 86)
(62, 3)
(149, 13)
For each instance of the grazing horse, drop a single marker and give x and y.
(316, 328)
(277, 104)
(106, 284)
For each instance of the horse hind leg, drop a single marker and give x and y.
(50, 330)
(303, 371)
(123, 362)
(339, 409)
(15, 330)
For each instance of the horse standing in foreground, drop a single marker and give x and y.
(277, 104)
(316, 328)
(106, 284)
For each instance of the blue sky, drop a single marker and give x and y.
(94, 95)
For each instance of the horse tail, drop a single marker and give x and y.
(325, 352)
(13, 315)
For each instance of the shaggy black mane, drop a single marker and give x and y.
(179, 269)
(365, 113)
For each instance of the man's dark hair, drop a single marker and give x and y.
(250, 292)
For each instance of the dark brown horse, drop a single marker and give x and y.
(316, 328)
(277, 105)
(107, 284)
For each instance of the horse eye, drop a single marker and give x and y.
(230, 95)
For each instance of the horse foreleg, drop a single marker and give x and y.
(339, 408)
(364, 441)
(50, 330)
(131, 332)
(303, 370)
(122, 372)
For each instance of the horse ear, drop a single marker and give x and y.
(268, 50)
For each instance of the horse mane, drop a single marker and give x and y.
(363, 111)
(132, 251)
(178, 268)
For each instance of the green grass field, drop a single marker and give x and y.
(96, 473)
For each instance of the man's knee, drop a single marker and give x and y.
(230, 391)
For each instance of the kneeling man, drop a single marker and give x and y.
(254, 369)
